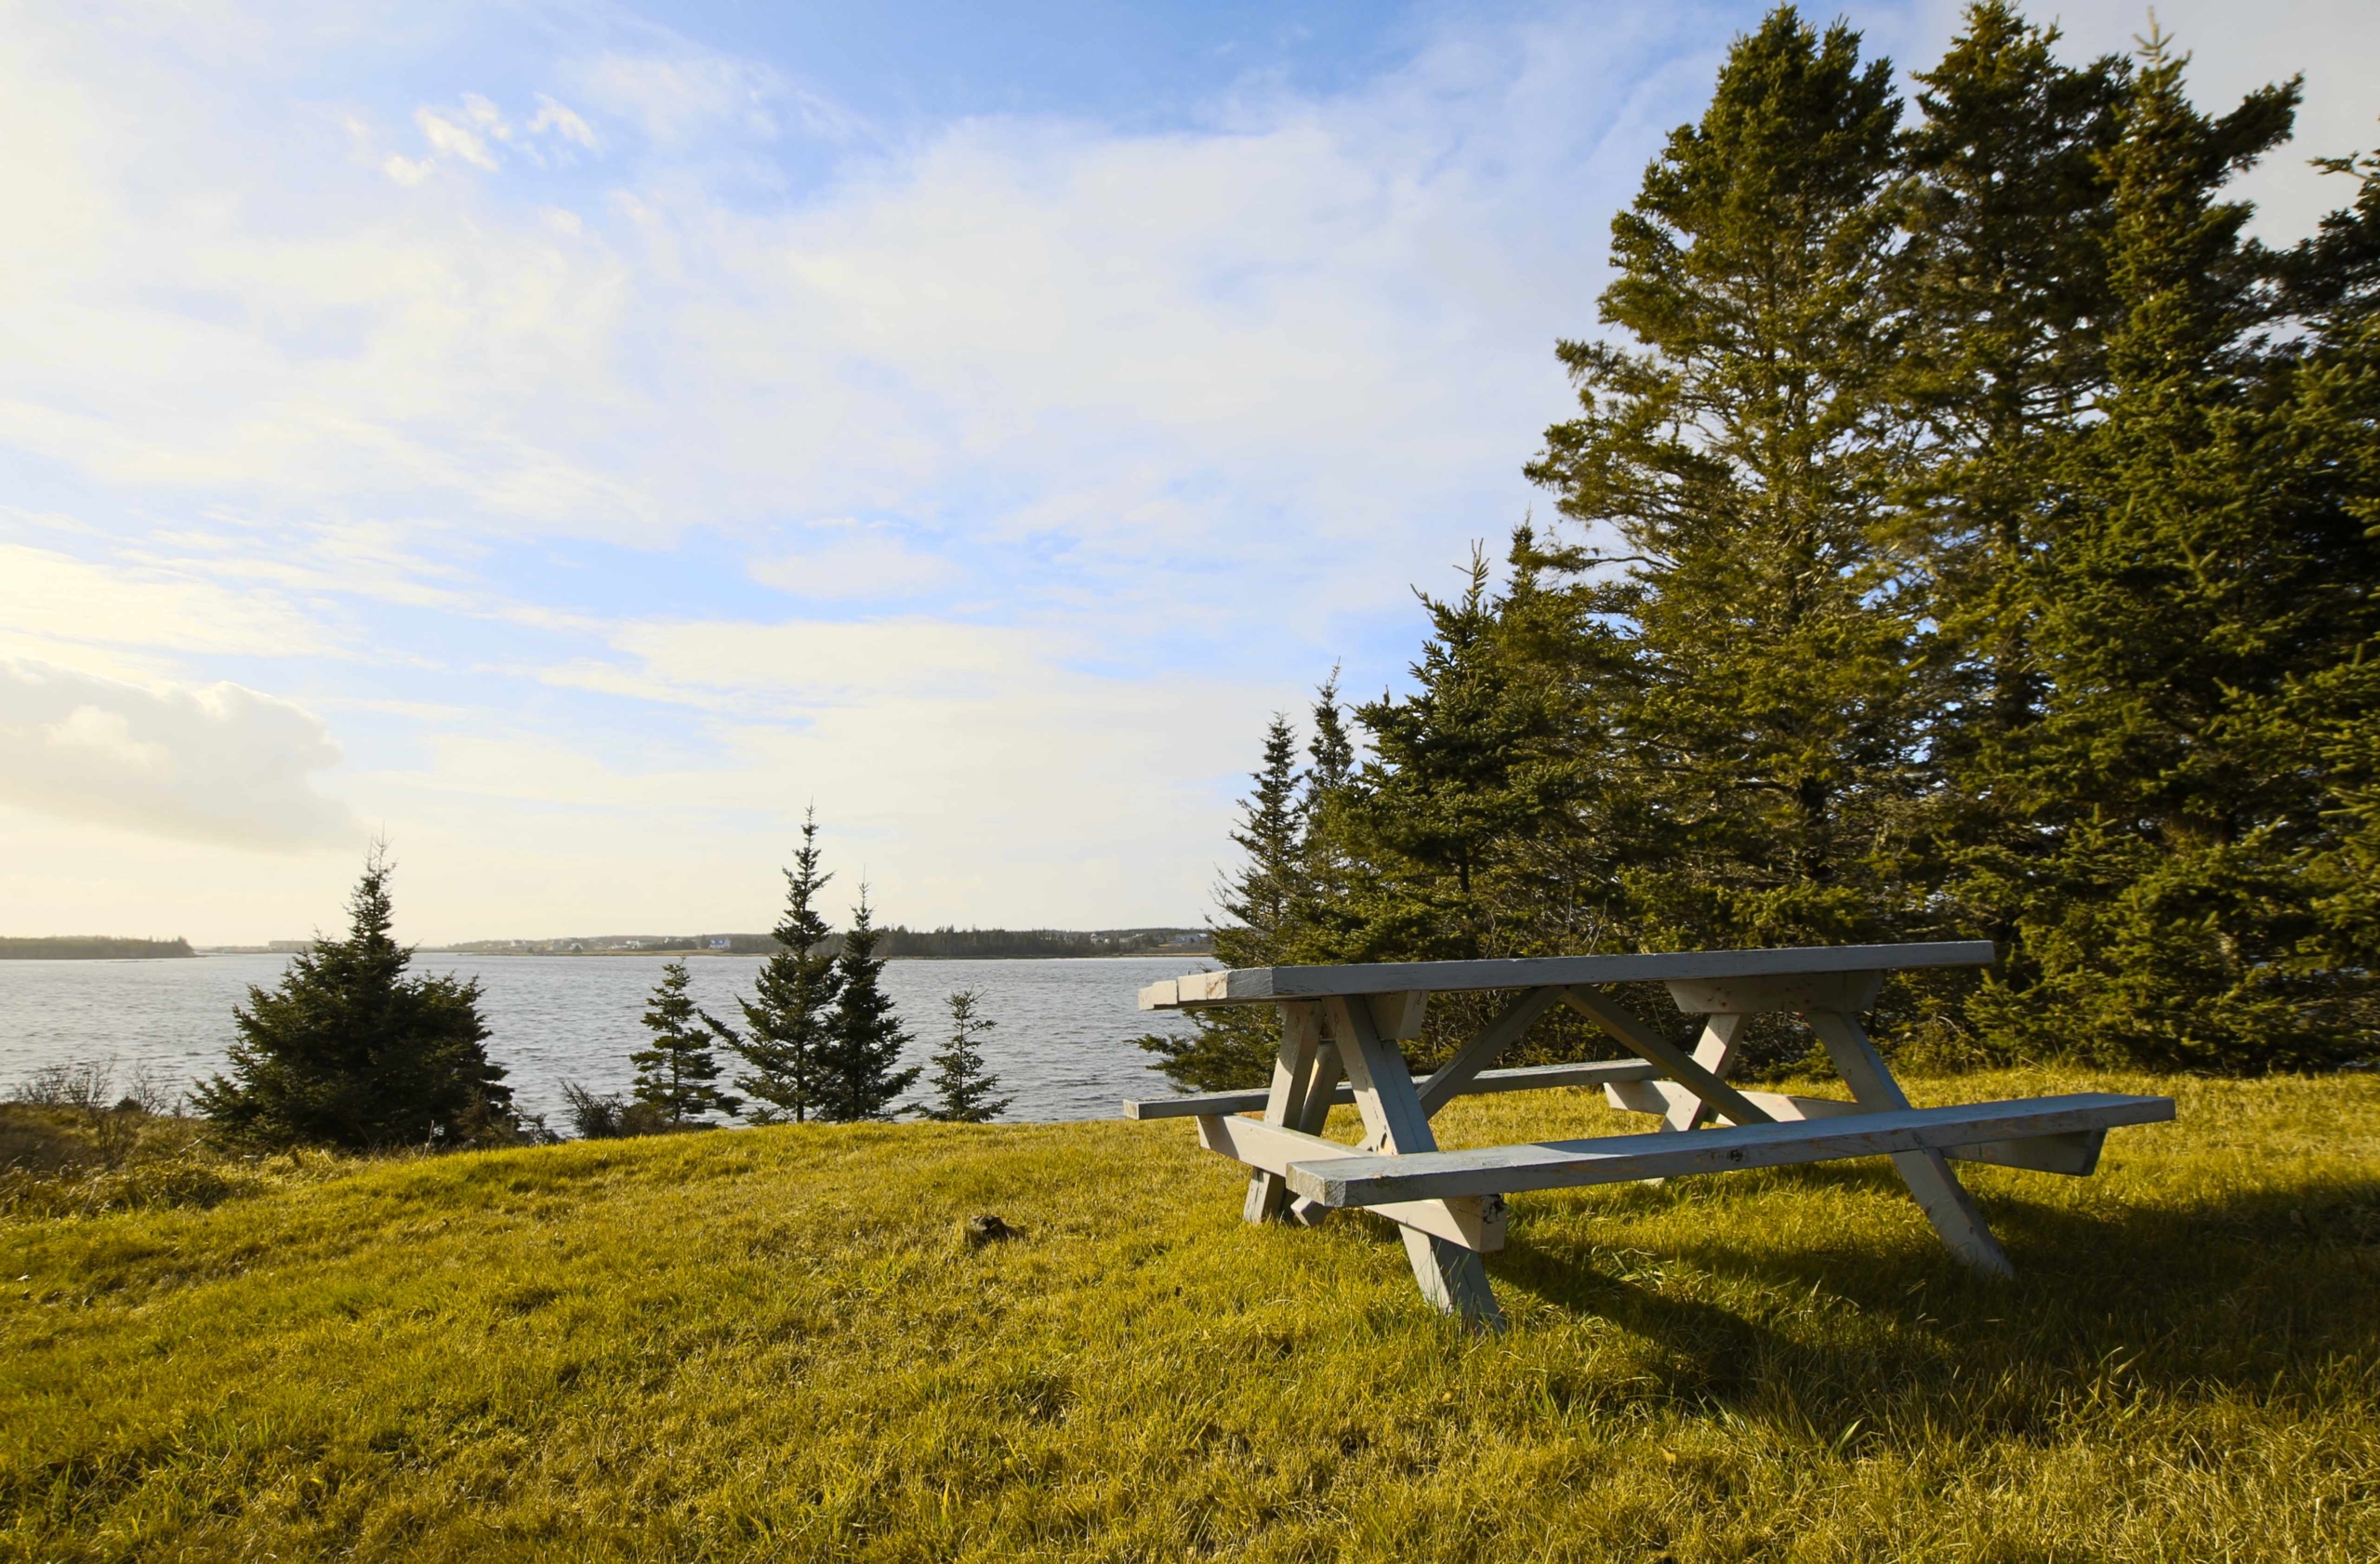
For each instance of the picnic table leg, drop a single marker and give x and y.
(1715, 1052)
(1451, 1276)
(1938, 1190)
(1312, 1113)
(1294, 1090)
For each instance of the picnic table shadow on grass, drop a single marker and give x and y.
(2250, 1272)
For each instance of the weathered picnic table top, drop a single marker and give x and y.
(1256, 985)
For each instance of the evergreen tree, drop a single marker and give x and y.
(2008, 207)
(1332, 752)
(1326, 866)
(787, 1019)
(349, 1051)
(962, 1088)
(2210, 568)
(2333, 287)
(674, 1076)
(1236, 1046)
(1464, 771)
(1744, 451)
(1262, 899)
(858, 1073)
(2011, 573)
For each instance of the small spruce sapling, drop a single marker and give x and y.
(674, 1076)
(962, 1088)
(860, 1078)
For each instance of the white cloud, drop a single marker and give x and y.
(464, 133)
(552, 116)
(834, 662)
(858, 564)
(674, 97)
(219, 765)
(59, 597)
(444, 136)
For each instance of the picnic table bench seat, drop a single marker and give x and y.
(1340, 1025)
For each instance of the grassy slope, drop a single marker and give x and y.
(770, 1344)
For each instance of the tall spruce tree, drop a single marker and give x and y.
(675, 1076)
(1332, 752)
(962, 1087)
(2008, 207)
(1744, 450)
(1261, 901)
(859, 1074)
(1464, 771)
(349, 1051)
(2209, 570)
(2334, 287)
(1326, 866)
(785, 1020)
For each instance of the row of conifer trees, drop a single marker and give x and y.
(1967, 529)
(350, 1050)
(820, 1040)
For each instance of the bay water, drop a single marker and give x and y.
(1063, 1045)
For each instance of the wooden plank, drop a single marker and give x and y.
(1848, 992)
(1195, 988)
(1647, 1044)
(1285, 1103)
(1925, 1170)
(1666, 1097)
(1453, 1078)
(1256, 985)
(1533, 1078)
(1398, 1016)
(1328, 1086)
(1371, 1179)
(2074, 1155)
(1715, 1051)
(1384, 1094)
(1475, 1222)
(1451, 1276)
(1330, 1083)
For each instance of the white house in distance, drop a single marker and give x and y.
(719, 942)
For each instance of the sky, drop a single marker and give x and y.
(570, 440)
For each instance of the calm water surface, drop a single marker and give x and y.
(1063, 1047)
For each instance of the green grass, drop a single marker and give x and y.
(772, 1344)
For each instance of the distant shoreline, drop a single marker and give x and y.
(92, 947)
(897, 943)
(705, 955)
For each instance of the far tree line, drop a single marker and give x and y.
(350, 1051)
(1967, 529)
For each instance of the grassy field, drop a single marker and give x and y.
(772, 1344)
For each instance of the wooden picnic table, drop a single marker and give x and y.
(1340, 1030)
